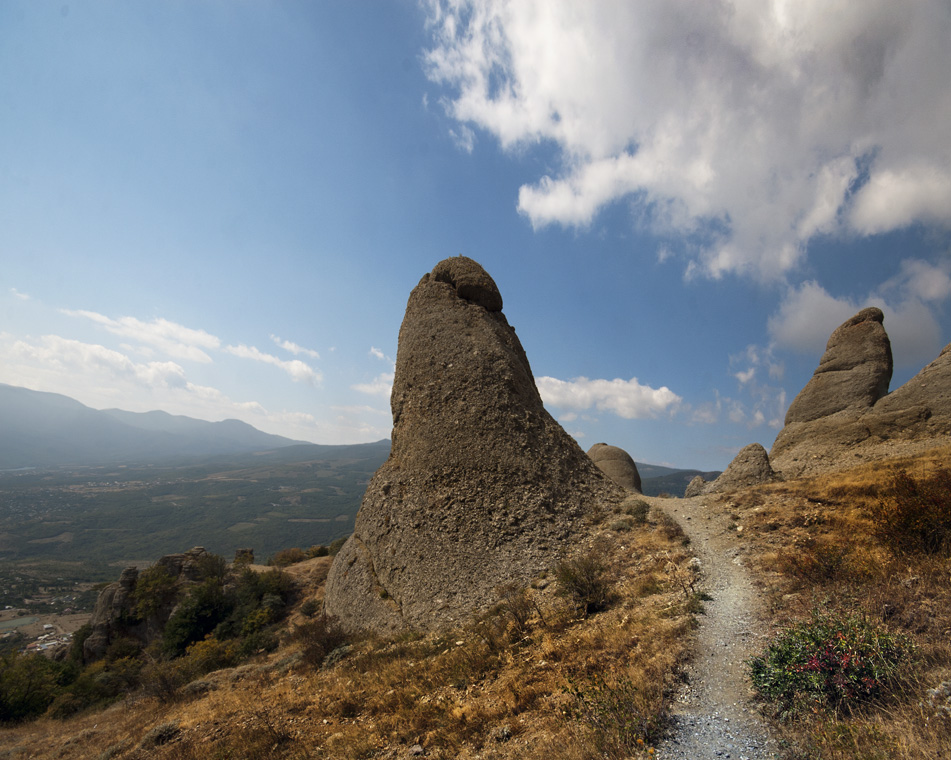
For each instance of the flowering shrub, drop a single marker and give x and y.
(829, 661)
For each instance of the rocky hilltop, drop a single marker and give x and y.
(482, 486)
(845, 415)
(115, 615)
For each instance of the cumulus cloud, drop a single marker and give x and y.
(376, 353)
(625, 398)
(382, 385)
(294, 348)
(750, 127)
(298, 370)
(169, 337)
(808, 314)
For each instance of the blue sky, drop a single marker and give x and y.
(219, 208)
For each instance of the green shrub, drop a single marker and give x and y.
(637, 509)
(154, 590)
(583, 581)
(205, 607)
(286, 557)
(28, 685)
(914, 517)
(831, 661)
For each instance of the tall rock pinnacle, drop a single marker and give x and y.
(482, 486)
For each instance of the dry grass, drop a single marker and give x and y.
(510, 685)
(813, 545)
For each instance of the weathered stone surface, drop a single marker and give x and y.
(864, 424)
(854, 372)
(923, 404)
(749, 467)
(114, 614)
(482, 486)
(695, 487)
(617, 464)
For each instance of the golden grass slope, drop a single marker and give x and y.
(506, 687)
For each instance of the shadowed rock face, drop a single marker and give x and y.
(843, 415)
(482, 486)
(617, 464)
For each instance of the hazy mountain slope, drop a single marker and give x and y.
(668, 480)
(40, 429)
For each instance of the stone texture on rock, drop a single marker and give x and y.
(854, 372)
(482, 486)
(695, 487)
(617, 464)
(750, 467)
(859, 422)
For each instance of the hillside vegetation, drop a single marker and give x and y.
(585, 663)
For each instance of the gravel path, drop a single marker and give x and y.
(712, 716)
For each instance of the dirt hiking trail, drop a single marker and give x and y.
(713, 716)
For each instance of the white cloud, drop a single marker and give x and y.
(897, 198)
(294, 348)
(17, 294)
(755, 125)
(745, 376)
(100, 376)
(921, 280)
(625, 398)
(298, 370)
(169, 337)
(382, 385)
(808, 314)
(378, 354)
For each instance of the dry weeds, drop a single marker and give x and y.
(812, 544)
(505, 686)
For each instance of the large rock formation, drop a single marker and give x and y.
(482, 486)
(617, 464)
(114, 615)
(843, 415)
(853, 374)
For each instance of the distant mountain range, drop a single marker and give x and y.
(40, 429)
(50, 430)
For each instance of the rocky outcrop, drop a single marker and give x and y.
(750, 467)
(617, 464)
(115, 616)
(696, 487)
(854, 371)
(482, 486)
(845, 414)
